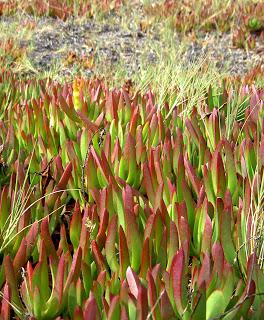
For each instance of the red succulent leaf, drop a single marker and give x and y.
(88, 123)
(102, 164)
(30, 276)
(228, 201)
(201, 197)
(158, 171)
(78, 314)
(161, 126)
(98, 257)
(84, 232)
(70, 150)
(45, 235)
(98, 121)
(124, 292)
(59, 282)
(91, 309)
(12, 283)
(153, 131)
(161, 249)
(107, 146)
(116, 153)
(184, 234)
(218, 174)
(149, 226)
(126, 98)
(255, 105)
(75, 226)
(110, 242)
(173, 243)
(158, 197)
(226, 233)
(101, 278)
(105, 305)
(177, 148)
(205, 271)
(100, 239)
(128, 199)
(196, 184)
(251, 265)
(192, 131)
(152, 294)
(133, 282)
(207, 233)
(61, 185)
(142, 303)
(218, 258)
(165, 306)
(21, 256)
(96, 93)
(181, 211)
(164, 214)
(10, 137)
(133, 122)
(123, 253)
(179, 280)
(5, 308)
(111, 106)
(63, 244)
(146, 259)
(70, 112)
(148, 183)
(124, 315)
(246, 300)
(31, 237)
(75, 269)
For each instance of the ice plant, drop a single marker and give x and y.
(134, 211)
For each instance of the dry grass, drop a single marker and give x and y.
(187, 15)
(167, 77)
(59, 8)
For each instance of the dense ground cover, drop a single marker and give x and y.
(143, 201)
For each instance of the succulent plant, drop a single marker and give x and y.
(134, 211)
(255, 24)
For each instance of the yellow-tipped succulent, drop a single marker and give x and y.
(76, 94)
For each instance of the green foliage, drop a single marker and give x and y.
(119, 207)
